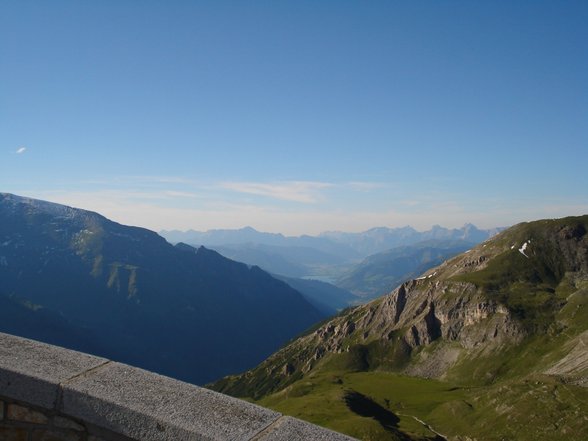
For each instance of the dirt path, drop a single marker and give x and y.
(426, 425)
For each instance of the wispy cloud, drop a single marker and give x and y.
(21, 150)
(296, 191)
(365, 186)
(85, 199)
(142, 181)
(410, 203)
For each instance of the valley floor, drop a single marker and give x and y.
(386, 406)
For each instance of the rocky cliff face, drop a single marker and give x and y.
(494, 297)
(417, 314)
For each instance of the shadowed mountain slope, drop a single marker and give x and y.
(185, 312)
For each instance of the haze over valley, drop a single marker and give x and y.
(365, 264)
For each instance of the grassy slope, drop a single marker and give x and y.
(534, 407)
(504, 394)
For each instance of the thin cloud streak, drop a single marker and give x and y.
(85, 199)
(365, 186)
(294, 191)
(143, 181)
(21, 150)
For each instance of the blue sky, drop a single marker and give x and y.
(297, 116)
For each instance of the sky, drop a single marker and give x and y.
(297, 116)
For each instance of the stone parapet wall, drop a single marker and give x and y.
(49, 393)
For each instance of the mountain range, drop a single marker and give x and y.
(340, 246)
(380, 239)
(74, 278)
(489, 345)
(248, 235)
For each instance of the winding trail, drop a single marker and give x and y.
(426, 425)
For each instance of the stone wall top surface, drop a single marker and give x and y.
(135, 403)
(32, 372)
(147, 406)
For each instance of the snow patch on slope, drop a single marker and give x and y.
(426, 277)
(524, 248)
